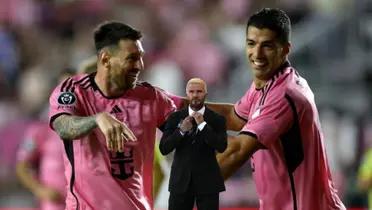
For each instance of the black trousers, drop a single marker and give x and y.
(185, 201)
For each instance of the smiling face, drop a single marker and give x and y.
(125, 64)
(265, 53)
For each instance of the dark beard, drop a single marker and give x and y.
(196, 106)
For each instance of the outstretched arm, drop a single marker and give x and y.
(233, 122)
(239, 149)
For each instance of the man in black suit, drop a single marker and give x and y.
(195, 133)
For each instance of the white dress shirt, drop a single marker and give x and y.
(201, 125)
(201, 111)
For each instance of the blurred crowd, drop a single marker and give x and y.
(332, 43)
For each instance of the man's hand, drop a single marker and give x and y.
(115, 132)
(198, 117)
(186, 124)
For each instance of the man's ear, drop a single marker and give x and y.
(104, 59)
(287, 48)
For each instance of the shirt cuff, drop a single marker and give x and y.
(201, 125)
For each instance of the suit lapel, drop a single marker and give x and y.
(184, 113)
(207, 115)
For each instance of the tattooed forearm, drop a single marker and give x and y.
(73, 127)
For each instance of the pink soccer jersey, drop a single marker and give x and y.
(100, 179)
(292, 173)
(43, 148)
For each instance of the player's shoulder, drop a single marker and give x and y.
(286, 81)
(143, 85)
(297, 90)
(149, 90)
(74, 82)
(296, 84)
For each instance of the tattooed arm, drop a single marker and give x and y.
(72, 127)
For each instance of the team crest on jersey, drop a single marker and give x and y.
(66, 98)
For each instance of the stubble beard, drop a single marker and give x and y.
(196, 104)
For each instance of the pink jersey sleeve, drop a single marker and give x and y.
(166, 106)
(241, 107)
(270, 121)
(177, 100)
(63, 100)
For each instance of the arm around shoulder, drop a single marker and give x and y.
(233, 122)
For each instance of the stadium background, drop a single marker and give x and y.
(332, 47)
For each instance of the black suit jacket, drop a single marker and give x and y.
(195, 156)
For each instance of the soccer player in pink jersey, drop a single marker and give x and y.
(279, 123)
(42, 149)
(107, 121)
(152, 184)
